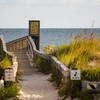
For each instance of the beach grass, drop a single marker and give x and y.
(82, 53)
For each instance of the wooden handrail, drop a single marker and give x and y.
(16, 40)
(33, 51)
(17, 44)
(61, 67)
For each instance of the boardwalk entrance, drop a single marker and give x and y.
(35, 85)
(23, 61)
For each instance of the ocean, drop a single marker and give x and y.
(48, 36)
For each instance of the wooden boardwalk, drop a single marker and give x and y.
(35, 85)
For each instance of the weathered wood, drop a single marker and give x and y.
(91, 86)
(61, 67)
(28, 42)
(34, 32)
(34, 27)
(17, 44)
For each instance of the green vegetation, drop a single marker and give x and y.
(43, 65)
(83, 53)
(5, 60)
(56, 76)
(6, 63)
(9, 91)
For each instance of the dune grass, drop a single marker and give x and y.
(83, 53)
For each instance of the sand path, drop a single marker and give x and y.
(35, 85)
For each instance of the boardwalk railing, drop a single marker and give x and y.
(35, 53)
(28, 43)
(17, 44)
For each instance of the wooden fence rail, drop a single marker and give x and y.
(28, 42)
(17, 44)
(35, 53)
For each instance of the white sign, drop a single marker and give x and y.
(9, 75)
(75, 75)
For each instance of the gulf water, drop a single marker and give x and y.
(48, 36)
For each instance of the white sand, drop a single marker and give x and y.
(37, 87)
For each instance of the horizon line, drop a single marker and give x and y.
(53, 28)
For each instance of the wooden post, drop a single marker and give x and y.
(34, 32)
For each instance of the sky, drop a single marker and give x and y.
(51, 13)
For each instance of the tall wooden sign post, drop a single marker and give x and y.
(34, 32)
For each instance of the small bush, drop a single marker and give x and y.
(56, 75)
(43, 65)
(49, 49)
(9, 91)
(5, 63)
(12, 91)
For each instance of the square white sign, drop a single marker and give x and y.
(75, 75)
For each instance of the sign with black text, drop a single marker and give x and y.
(9, 75)
(75, 75)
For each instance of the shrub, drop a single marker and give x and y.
(49, 49)
(43, 65)
(5, 63)
(9, 91)
(56, 75)
(12, 90)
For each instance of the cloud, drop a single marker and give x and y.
(60, 13)
(29, 2)
(50, 2)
